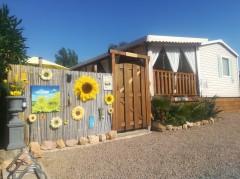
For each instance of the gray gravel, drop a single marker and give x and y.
(211, 151)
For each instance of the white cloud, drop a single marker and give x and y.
(42, 92)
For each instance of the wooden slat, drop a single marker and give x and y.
(159, 84)
(114, 116)
(162, 83)
(136, 104)
(126, 93)
(148, 112)
(143, 97)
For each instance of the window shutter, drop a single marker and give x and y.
(231, 69)
(220, 65)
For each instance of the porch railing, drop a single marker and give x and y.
(174, 83)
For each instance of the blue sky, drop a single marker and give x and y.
(47, 91)
(88, 27)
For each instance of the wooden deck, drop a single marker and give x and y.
(175, 84)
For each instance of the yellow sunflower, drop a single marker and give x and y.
(110, 110)
(32, 117)
(109, 99)
(86, 88)
(56, 122)
(77, 113)
(66, 122)
(46, 74)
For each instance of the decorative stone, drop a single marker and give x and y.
(60, 144)
(111, 135)
(198, 123)
(169, 127)
(5, 164)
(211, 120)
(195, 125)
(158, 127)
(180, 127)
(102, 137)
(71, 142)
(83, 140)
(35, 149)
(204, 122)
(185, 126)
(48, 145)
(174, 128)
(23, 156)
(93, 139)
(189, 124)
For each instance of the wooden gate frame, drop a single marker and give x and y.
(147, 91)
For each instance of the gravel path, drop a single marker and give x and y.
(211, 151)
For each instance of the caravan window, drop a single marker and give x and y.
(225, 66)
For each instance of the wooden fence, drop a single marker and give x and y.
(175, 84)
(40, 130)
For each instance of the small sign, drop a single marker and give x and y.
(91, 122)
(107, 82)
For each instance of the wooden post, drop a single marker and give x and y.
(114, 116)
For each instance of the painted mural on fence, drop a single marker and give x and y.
(45, 99)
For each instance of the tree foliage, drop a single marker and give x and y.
(116, 46)
(12, 43)
(66, 58)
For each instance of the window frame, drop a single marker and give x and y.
(229, 73)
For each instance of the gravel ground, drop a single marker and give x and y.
(210, 151)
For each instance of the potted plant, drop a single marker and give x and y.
(14, 99)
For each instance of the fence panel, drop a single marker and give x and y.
(40, 130)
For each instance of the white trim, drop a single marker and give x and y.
(221, 42)
(173, 39)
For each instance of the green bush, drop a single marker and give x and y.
(164, 111)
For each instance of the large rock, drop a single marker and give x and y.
(102, 137)
(60, 144)
(83, 140)
(48, 145)
(93, 139)
(169, 127)
(35, 149)
(158, 127)
(71, 142)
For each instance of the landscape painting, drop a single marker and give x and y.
(45, 99)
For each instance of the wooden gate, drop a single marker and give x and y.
(131, 91)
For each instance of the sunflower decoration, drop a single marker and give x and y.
(32, 118)
(86, 88)
(46, 74)
(42, 117)
(109, 99)
(110, 110)
(56, 122)
(77, 113)
(66, 122)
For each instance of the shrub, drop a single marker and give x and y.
(164, 111)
